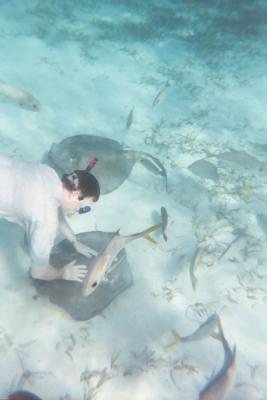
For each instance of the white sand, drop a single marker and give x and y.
(93, 95)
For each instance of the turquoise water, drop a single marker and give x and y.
(183, 81)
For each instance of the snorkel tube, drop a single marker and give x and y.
(91, 164)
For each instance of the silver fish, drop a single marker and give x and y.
(160, 93)
(206, 329)
(204, 169)
(164, 219)
(242, 159)
(219, 387)
(153, 165)
(130, 119)
(21, 98)
(104, 259)
(196, 259)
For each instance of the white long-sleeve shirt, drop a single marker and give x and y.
(30, 195)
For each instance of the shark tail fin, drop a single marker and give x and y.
(150, 230)
(177, 340)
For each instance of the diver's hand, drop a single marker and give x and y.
(74, 272)
(83, 249)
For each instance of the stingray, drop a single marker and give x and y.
(114, 164)
(68, 294)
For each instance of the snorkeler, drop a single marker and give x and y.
(34, 197)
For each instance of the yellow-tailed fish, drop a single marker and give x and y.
(221, 384)
(104, 259)
(204, 330)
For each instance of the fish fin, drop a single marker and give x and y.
(149, 230)
(150, 239)
(234, 352)
(194, 283)
(177, 340)
(215, 336)
(152, 229)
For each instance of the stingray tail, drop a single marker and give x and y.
(177, 340)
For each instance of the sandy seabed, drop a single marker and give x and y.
(121, 353)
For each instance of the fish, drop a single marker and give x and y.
(234, 247)
(114, 165)
(103, 260)
(160, 93)
(164, 223)
(204, 169)
(153, 165)
(196, 259)
(23, 395)
(130, 119)
(242, 159)
(206, 329)
(262, 222)
(18, 97)
(220, 386)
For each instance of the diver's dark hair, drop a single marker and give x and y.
(83, 181)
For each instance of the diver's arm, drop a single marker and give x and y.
(41, 240)
(70, 235)
(69, 272)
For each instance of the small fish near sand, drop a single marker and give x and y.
(204, 169)
(104, 259)
(234, 247)
(18, 97)
(164, 222)
(220, 385)
(130, 119)
(205, 330)
(153, 165)
(160, 94)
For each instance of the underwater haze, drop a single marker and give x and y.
(181, 87)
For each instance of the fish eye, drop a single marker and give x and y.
(94, 285)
